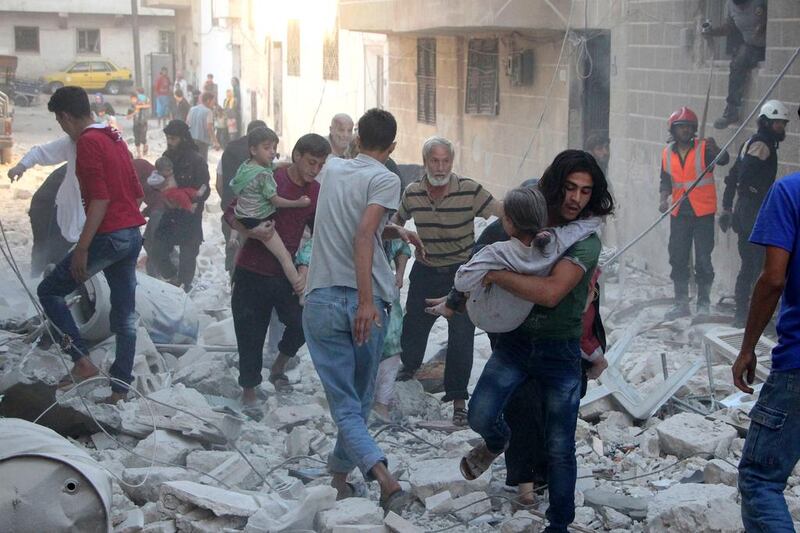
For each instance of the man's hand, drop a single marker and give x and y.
(597, 368)
(263, 232)
(16, 172)
(411, 237)
(663, 206)
(725, 220)
(366, 315)
(744, 368)
(398, 280)
(489, 278)
(77, 267)
(438, 307)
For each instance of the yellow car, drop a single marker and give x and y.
(91, 75)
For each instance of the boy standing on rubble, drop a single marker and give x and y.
(349, 291)
(772, 447)
(110, 240)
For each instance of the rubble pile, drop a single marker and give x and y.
(192, 460)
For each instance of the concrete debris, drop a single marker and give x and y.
(688, 434)
(632, 506)
(170, 447)
(143, 484)
(362, 528)
(722, 472)
(298, 442)
(162, 526)
(289, 416)
(614, 519)
(521, 522)
(439, 503)
(471, 506)
(412, 401)
(695, 507)
(277, 515)
(221, 502)
(349, 511)
(435, 475)
(398, 524)
(212, 375)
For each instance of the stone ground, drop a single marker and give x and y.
(672, 472)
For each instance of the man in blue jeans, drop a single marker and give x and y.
(545, 349)
(110, 240)
(348, 293)
(772, 447)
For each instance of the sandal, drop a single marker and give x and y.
(477, 461)
(397, 502)
(460, 416)
(280, 382)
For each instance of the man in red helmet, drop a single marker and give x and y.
(682, 161)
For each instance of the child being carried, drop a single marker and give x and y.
(257, 197)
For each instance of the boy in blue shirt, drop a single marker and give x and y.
(772, 447)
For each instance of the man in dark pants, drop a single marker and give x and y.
(747, 25)
(259, 284)
(110, 240)
(235, 153)
(443, 206)
(751, 177)
(682, 161)
(190, 170)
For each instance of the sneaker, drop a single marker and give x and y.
(680, 309)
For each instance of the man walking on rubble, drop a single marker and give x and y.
(443, 206)
(772, 447)
(682, 161)
(750, 178)
(110, 240)
(747, 25)
(349, 289)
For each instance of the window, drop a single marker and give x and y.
(482, 80)
(293, 48)
(426, 81)
(26, 39)
(166, 42)
(100, 66)
(330, 54)
(88, 41)
(80, 67)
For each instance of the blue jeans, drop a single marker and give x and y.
(115, 255)
(347, 372)
(771, 450)
(554, 368)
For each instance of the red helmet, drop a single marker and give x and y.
(683, 115)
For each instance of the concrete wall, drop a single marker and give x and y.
(660, 66)
(488, 148)
(58, 46)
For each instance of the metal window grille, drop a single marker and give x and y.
(482, 77)
(426, 81)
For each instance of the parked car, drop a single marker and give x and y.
(95, 74)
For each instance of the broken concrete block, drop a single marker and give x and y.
(471, 506)
(219, 501)
(398, 524)
(293, 415)
(202, 521)
(286, 515)
(521, 522)
(718, 471)
(210, 376)
(162, 526)
(632, 506)
(439, 503)
(170, 447)
(362, 528)
(143, 484)
(687, 434)
(413, 401)
(228, 467)
(649, 444)
(435, 475)
(349, 511)
(695, 507)
(298, 442)
(614, 519)
(584, 515)
(220, 333)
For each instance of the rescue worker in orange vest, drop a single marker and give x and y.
(682, 161)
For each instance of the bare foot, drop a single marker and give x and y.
(249, 396)
(116, 397)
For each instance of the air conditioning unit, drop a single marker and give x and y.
(520, 68)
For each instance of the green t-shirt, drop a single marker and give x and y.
(565, 320)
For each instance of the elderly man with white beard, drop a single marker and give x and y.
(443, 206)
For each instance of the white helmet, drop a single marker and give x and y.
(774, 110)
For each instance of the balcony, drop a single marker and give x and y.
(421, 16)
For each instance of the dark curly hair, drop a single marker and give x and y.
(567, 162)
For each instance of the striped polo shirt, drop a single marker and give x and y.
(446, 226)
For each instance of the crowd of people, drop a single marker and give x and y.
(314, 242)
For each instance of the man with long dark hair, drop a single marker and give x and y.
(574, 187)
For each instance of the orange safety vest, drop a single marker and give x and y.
(703, 198)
